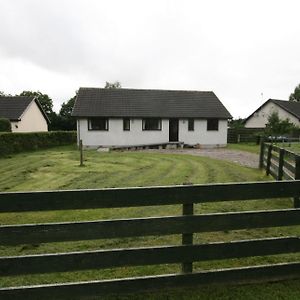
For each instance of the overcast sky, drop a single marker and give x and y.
(238, 49)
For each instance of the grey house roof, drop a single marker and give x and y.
(291, 107)
(99, 102)
(13, 107)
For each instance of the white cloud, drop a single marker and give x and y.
(238, 49)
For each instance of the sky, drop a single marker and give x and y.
(244, 51)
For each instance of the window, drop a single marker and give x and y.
(98, 124)
(213, 124)
(126, 124)
(191, 124)
(152, 124)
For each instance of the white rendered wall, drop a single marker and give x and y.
(260, 118)
(116, 136)
(32, 120)
(201, 135)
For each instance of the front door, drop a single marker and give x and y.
(173, 130)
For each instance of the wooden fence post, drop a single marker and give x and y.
(269, 160)
(261, 153)
(280, 164)
(81, 153)
(187, 238)
(297, 177)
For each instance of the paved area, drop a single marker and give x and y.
(242, 158)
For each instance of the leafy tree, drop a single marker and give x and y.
(277, 126)
(5, 125)
(3, 94)
(237, 123)
(44, 100)
(113, 85)
(296, 95)
(67, 121)
(67, 108)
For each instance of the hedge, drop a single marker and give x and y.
(5, 125)
(18, 142)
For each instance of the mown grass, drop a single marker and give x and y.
(248, 147)
(294, 147)
(59, 169)
(253, 148)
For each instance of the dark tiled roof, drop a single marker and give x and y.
(292, 107)
(12, 108)
(92, 102)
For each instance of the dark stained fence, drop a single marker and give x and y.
(186, 224)
(279, 162)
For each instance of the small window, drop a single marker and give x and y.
(213, 124)
(191, 124)
(152, 124)
(126, 124)
(98, 124)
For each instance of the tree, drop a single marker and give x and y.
(277, 126)
(3, 94)
(44, 100)
(237, 123)
(113, 85)
(67, 121)
(67, 108)
(296, 95)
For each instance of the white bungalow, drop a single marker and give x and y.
(132, 117)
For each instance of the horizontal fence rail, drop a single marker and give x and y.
(186, 225)
(87, 260)
(74, 231)
(146, 196)
(132, 285)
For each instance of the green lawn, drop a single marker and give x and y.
(253, 148)
(248, 147)
(294, 147)
(58, 168)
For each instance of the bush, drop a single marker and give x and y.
(19, 142)
(5, 125)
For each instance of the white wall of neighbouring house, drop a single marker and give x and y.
(200, 135)
(116, 136)
(260, 118)
(32, 120)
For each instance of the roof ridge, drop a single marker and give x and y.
(135, 89)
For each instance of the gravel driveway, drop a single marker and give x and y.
(242, 158)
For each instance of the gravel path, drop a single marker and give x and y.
(242, 158)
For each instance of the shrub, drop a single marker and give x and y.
(19, 142)
(5, 125)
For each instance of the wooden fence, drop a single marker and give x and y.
(186, 224)
(279, 162)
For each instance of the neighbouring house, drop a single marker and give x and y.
(128, 117)
(24, 113)
(285, 109)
